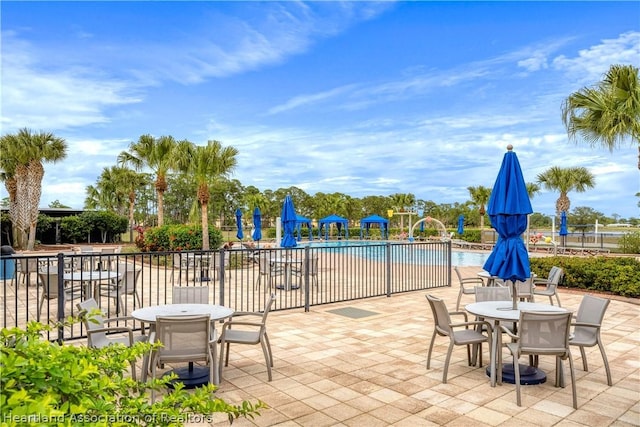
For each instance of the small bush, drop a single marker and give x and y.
(616, 275)
(45, 383)
(176, 238)
(630, 243)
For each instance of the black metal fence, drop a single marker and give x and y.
(47, 287)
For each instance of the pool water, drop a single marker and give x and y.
(406, 253)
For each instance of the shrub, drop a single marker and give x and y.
(616, 275)
(178, 238)
(75, 229)
(45, 383)
(629, 243)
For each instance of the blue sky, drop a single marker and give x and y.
(353, 97)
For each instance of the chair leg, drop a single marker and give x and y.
(266, 338)
(458, 301)
(446, 363)
(606, 362)
(214, 371)
(558, 299)
(433, 338)
(516, 370)
(267, 358)
(585, 365)
(573, 383)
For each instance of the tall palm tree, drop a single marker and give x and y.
(607, 114)
(158, 154)
(26, 151)
(479, 198)
(207, 164)
(563, 180)
(115, 190)
(532, 189)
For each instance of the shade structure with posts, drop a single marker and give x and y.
(508, 208)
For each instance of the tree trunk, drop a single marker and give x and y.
(160, 208)
(132, 201)
(205, 227)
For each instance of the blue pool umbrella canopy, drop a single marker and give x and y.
(288, 217)
(508, 208)
(257, 225)
(461, 225)
(239, 234)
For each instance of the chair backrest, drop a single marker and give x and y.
(440, 315)
(190, 295)
(544, 332)
(50, 284)
(128, 280)
(267, 308)
(183, 338)
(28, 265)
(555, 276)
(93, 319)
(492, 293)
(264, 262)
(455, 268)
(524, 288)
(591, 311)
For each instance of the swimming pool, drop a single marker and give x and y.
(401, 252)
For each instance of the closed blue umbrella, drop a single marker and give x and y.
(563, 227)
(508, 208)
(239, 234)
(461, 225)
(257, 225)
(289, 220)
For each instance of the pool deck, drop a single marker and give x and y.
(333, 369)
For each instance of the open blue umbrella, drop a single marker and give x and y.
(461, 225)
(257, 225)
(239, 234)
(288, 223)
(508, 208)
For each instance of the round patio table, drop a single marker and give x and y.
(502, 311)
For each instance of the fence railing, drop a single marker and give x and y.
(47, 287)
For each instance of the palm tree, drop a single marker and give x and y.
(532, 189)
(479, 198)
(158, 154)
(607, 113)
(115, 190)
(560, 179)
(23, 154)
(207, 164)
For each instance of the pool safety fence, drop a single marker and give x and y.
(47, 286)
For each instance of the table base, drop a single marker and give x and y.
(191, 376)
(529, 375)
(293, 287)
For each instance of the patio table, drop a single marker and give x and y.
(502, 311)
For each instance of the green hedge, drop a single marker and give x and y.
(176, 238)
(617, 275)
